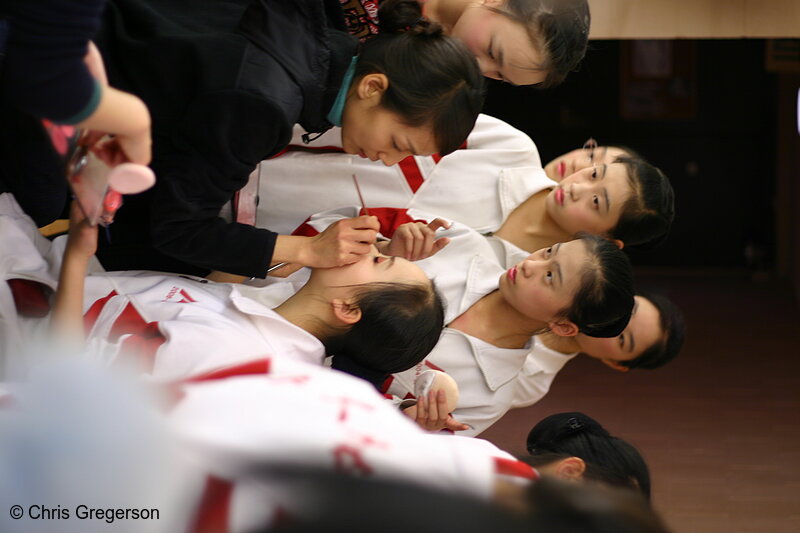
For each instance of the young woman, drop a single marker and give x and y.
(382, 313)
(575, 446)
(590, 154)
(497, 298)
(495, 184)
(522, 42)
(226, 81)
(652, 338)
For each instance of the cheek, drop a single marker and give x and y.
(602, 348)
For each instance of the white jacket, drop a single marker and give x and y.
(164, 325)
(478, 185)
(312, 417)
(491, 380)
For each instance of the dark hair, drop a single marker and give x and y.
(400, 324)
(433, 79)
(561, 507)
(603, 303)
(669, 345)
(647, 215)
(608, 459)
(558, 28)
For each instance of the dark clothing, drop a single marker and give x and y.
(225, 82)
(42, 75)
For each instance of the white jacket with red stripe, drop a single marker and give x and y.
(478, 185)
(491, 380)
(310, 417)
(164, 325)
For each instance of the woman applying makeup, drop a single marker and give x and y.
(227, 81)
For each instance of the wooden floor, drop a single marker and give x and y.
(719, 426)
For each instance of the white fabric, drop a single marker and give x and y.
(311, 417)
(478, 186)
(206, 324)
(489, 378)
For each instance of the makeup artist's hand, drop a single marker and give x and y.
(342, 243)
(416, 240)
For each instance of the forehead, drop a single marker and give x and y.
(605, 154)
(645, 325)
(572, 258)
(404, 269)
(522, 60)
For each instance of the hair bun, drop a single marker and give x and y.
(400, 16)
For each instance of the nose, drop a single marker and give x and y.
(488, 68)
(391, 158)
(529, 267)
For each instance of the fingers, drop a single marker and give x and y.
(438, 223)
(422, 412)
(454, 425)
(439, 244)
(368, 222)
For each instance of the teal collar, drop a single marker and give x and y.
(335, 114)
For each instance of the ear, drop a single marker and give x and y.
(563, 327)
(571, 468)
(619, 243)
(610, 363)
(345, 312)
(372, 86)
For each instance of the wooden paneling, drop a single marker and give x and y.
(668, 19)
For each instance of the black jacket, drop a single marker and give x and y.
(225, 81)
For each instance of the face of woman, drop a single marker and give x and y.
(369, 130)
(373, 267)
(545, 282)
(571, 162)
(642, 332)
(591, 199)
(501, 45)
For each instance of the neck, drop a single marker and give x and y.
(493, 320)
(565, 345)
(531, 227)
(445, 12)
(308, 310)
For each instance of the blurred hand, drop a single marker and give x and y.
(82, 237)
(431, 414)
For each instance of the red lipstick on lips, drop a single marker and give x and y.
(562, 168)
(512, 274)
(559, 196)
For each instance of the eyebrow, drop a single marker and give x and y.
(605, 191)
(631, 340)
(557, 265)
(500, 54)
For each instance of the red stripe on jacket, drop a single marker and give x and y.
(512, 467)
(214, 509)
(389, 218)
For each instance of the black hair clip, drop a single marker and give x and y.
(574, 424)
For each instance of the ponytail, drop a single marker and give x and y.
(608, 459)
